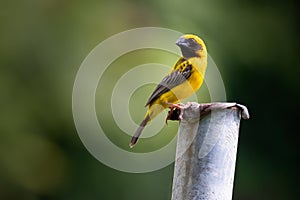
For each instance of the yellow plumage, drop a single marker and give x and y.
(184, 79)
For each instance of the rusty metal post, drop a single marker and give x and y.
(206, 151)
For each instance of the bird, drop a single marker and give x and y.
(184, 79)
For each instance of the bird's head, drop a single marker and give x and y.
(191, 46)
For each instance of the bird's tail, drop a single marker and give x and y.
(138, 132)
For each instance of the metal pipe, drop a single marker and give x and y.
(206, 151)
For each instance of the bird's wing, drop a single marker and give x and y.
(180, 72)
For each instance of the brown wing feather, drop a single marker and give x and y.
(179, 74)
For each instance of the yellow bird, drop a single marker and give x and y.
(183, 80)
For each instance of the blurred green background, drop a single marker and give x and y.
(255, 44)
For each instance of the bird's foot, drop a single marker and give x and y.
(174, 107)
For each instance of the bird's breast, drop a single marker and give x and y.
(196, 80)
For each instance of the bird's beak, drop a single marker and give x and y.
(181, 42)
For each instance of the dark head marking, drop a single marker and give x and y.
(189, 47)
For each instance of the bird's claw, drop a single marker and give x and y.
(178, 105)
(172, 107)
